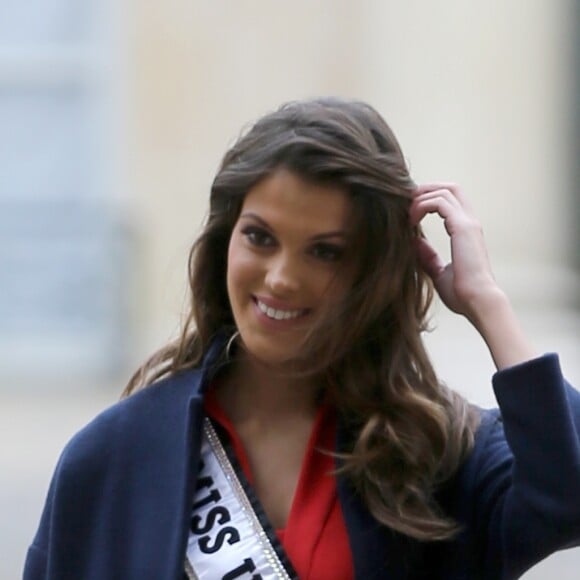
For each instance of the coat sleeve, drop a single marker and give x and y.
(527, 475)
(120, 497)
(35, 565)
(78, 485)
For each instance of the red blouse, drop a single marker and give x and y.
(315, 537)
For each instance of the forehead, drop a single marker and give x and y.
(284, 198)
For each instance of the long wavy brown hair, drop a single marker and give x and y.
(408, 432)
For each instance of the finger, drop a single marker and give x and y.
(448, 195)
(453, 188)
(441, 205)
(449, 208)
(426, 187)
(429, 259)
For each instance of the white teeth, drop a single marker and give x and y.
(278, 314)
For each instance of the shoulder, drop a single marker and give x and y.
(489, 441)
(141, 423)
(490, 448)
(490, 429)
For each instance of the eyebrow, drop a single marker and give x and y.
(323, 236)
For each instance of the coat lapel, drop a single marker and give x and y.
(162, 467)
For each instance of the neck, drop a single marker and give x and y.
(254, 391)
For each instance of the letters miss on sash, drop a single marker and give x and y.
(230, 536)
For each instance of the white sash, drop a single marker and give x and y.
(226, 539)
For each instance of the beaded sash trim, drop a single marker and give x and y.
(229, 535)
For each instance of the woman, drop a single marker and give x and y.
(297, 427)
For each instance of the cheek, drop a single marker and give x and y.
(239, 272)
(337, 293)
(334, 286)
(232, 273)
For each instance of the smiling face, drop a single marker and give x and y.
(286, 262)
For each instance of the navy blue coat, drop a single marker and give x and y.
(119, 502)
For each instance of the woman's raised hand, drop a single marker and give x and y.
(468, 277)
(466, 285)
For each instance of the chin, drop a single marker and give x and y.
(267, 353)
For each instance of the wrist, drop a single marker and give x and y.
(488, 306)
(495, 320)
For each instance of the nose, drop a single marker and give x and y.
(283, 275)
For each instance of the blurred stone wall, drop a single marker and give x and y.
(478, 94)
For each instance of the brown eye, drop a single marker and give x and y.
(258, 236)
(327, 252)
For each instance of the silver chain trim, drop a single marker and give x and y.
(221, 455)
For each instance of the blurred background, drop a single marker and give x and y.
(114, 117)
